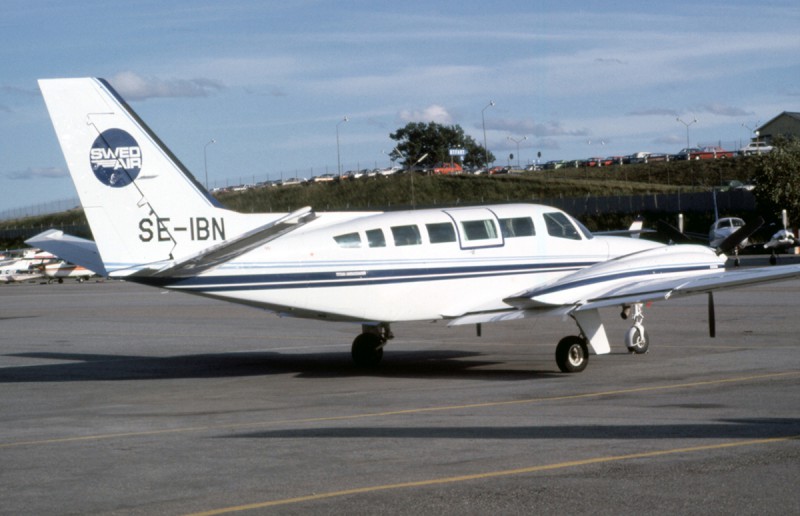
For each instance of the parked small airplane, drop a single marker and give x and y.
(22, 264)
(61, 269)
(723, 228)
(781, 241)
(155, 224)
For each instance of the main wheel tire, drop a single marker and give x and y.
(636, 340)
(572, 354)
(367, 351)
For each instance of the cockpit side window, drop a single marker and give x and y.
(559, 226)
(348, 240)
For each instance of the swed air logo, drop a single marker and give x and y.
(116, 158)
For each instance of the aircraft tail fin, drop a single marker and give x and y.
(142, 204)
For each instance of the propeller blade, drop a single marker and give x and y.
(672, 233)
(712, 318)
(739, 236)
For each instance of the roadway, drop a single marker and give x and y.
(120, 399)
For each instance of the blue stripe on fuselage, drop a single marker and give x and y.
(343, 278)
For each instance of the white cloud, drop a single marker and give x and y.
(135, 87)
(38, 173)
(433, 113)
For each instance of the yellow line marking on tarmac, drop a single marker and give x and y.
(421, 410)
(492, 474)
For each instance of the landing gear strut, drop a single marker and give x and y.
(636, 338)
(367, 349)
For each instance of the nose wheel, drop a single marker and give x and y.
(636, 338)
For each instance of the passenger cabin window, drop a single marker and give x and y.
(441, 232)
(559, 226)
(406, 235)
(375, 238)
(479, 229)
(517, 227)
(348, 240)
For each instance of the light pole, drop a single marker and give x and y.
(483, 121)
(338, 158)
(205, 158)
(752, 129)
(694, 121)
(517, 142)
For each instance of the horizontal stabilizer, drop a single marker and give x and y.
(226, 251)
(70, 248)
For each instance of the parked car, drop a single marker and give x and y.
(656, 157)
(755, 148)
(390, 171)
(685, 153)
(324, 178)
(711, 152)
(293, 181)
(554, 164)
(499, 170)
(447, 168)
(639, 157)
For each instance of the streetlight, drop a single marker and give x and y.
(752, 129)
(517, 142)
(694, 121)
(205, 158)
(483, 121)
(338, 158)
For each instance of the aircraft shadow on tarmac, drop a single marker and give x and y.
(756, 428)
(420, 364)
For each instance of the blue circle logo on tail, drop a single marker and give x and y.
(116, 158)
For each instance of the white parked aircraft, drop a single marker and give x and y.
(23, 264)
(155, 224)
(61, 269)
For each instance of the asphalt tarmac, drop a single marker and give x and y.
(120, 399)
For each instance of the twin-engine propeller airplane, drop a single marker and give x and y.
(153, 223)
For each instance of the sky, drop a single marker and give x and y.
(272, 82)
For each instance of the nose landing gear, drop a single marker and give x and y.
(636, 338)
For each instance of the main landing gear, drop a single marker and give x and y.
(367, 350)
(572, 354)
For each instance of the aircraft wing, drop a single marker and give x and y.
(584, 291)
(79, 251)
(654, 290)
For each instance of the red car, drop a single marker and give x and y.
(447, 168)
(710, 152)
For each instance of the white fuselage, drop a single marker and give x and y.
(411, 265)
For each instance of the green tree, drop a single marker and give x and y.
(417, 138)
(777, 178)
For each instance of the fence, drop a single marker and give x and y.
(730, 201)
(36, 210)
